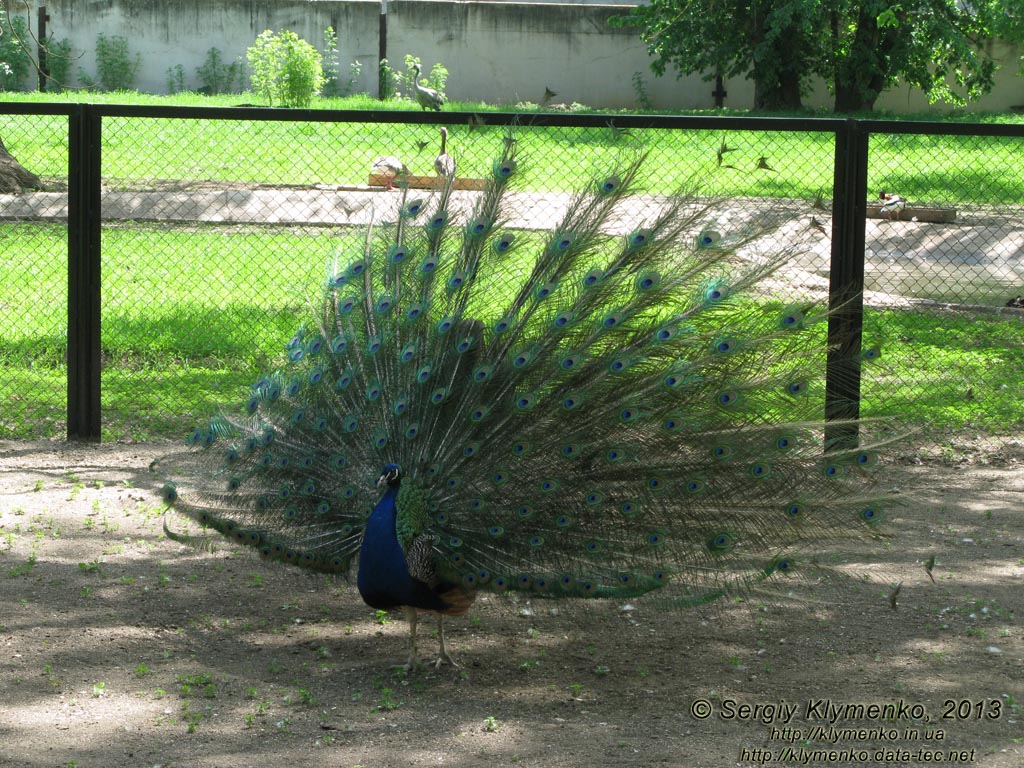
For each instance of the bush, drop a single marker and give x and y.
(332, 68)
(176, 79)
(114, 64)
(285, 68)
(330, 63)
(15, 60)
(58, 62)
(389, 81)
(218, 77)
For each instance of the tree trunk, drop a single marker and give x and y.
(863, 73)
(850, 98)
(14, 177)
(777, 91)
(777, 76)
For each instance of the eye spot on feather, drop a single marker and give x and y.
(870, 515)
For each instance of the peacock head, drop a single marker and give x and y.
(389, 476)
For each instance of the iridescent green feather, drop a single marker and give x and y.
(603, 409)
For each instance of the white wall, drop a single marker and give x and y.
(495, 51)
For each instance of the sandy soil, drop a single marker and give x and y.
(121, 648)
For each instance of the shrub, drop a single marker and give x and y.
(15, 60)
(58, 62)
(330, 63)
(332, 68)
(285, 68)
(388, 81)
(114, 64)
(218, 77)
(175, 79)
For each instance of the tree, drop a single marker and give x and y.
(768, 41)
(873, 44)
(14, 177)
(859, 47)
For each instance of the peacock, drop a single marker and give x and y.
(607, 409)
(427, 98)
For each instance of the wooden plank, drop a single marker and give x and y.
(426, 182)
(921, 213)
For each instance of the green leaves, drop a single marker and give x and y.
(285, 68)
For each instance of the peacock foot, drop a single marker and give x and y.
(443, 659)
(409, 665)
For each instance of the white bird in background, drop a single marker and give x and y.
(389, 167)
(891, 201)
(444, 164)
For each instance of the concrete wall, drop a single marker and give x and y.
(495, 51)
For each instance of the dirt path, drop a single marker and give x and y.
(120, 648)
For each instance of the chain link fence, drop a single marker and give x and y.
(217, 232)
(33, 280)
(944, 256)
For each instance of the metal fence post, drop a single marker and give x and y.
(846, 286)
(84, 273)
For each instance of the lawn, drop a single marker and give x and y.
(758, 163)
(192, 314)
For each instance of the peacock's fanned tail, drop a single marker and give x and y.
(575, 413)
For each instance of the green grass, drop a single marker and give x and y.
(191, 317)
(138, 150)
(947, 371)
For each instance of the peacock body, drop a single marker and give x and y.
(566, 414)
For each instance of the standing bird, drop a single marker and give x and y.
(427, 98)
(389, 168)
(444, 163)
(891, 202)
(566, 414)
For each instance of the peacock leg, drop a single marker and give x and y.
(443, 657)
(411, 617)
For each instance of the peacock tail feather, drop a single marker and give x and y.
(600, 410)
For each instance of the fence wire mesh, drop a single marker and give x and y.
(33, 279)
(217, 235)
(944, 256)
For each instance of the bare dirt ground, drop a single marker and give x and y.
(121, 648)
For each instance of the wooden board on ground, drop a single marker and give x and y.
(427, 182)
(921, 213)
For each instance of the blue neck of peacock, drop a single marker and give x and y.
(382, 520)
(383, 578)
